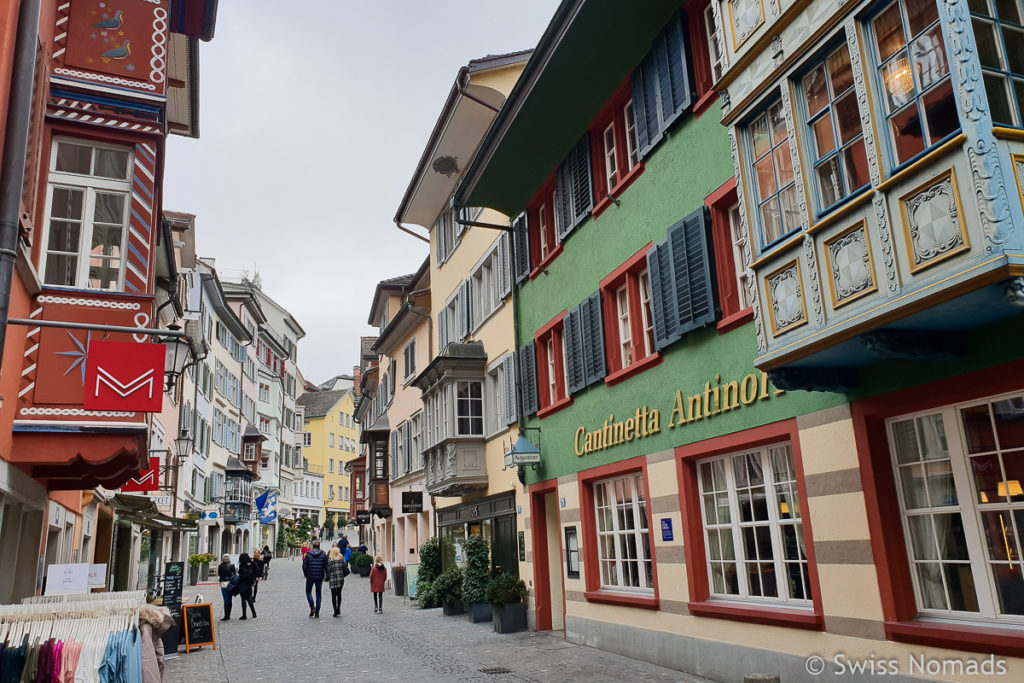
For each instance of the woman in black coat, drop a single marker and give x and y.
(225, 570)
(246, 580)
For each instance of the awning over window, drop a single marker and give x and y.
(78, 458)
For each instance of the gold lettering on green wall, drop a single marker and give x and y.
(716, 398)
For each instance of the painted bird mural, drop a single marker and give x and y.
(114, 23)
(122, 52)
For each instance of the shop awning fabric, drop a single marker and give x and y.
(142, 510)
(79, 458)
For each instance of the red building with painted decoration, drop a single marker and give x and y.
(109, 81)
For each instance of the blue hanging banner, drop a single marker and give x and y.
(268, 510)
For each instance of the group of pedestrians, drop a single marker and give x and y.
(318, 566)
(243, 581)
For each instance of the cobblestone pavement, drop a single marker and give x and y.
(403, 644)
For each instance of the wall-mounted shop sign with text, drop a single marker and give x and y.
(717, 398)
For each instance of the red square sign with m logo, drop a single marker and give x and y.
(124, 376)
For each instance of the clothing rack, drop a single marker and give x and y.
(82, 597)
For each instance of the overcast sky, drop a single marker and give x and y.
(313, 115)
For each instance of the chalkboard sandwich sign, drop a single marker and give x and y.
(198, 626)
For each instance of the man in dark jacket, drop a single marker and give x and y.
(314, 568)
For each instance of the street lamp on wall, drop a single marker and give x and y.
(177, 351)
(183, 444)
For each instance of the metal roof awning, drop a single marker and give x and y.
(586, 52)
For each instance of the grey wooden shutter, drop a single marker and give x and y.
(682, 292)
(407, 444)
(528, 377)
(508, 372)
(504, 266)
(394, 453)
(574, 188)
(661, 85)
(442, 330)
(592, 339)
(573, 339)
(462, 321)
(466, 300)
(521, 247)
(462, 214)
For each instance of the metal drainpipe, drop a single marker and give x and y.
(12, 166)
(405, 229)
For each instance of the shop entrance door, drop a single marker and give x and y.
(549, 591)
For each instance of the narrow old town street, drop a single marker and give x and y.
(404, 643)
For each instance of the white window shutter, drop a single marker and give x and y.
(508, 372)
(504, 266)
(442, 329)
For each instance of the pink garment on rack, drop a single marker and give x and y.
(72, 653)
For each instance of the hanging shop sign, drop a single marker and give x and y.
(362, 516)
(147, 480)
(412, 501)
(717, 398)
(124, 376)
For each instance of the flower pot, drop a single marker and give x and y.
(204, 572)
(398, 578)
(193, 576)
(509, 618)
(451, 609)
(479, 612)
(364, 571)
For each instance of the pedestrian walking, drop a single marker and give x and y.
(314, 568)
(305, 549)
(266, 555)
(246, 580)
(228, 578)
(337, 570)
(343, 543)
(362, 547)
(258, 574)
(378, 576)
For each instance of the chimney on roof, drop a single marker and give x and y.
(357, 376)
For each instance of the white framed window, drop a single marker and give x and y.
(265, 392)
(753, 531)
(552, 374)
(330, 465)
(330, 491)
(622, 314)
(611, 164)
(250, 452)
(88, 204)
(631, 147)
(409, 359)
(469, 408)
(307, 439)
(645, 313)
(623, 537)
(330, 440)
(542, 217)
(415, 441)
(739, 240)
(715, 56)
(447, 236)
(958, 476)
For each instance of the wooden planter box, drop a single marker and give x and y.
(509, 618)
(479, 612)
(451, 610)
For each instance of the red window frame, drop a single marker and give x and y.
(588, 539)
(719, 202)
(627, 275)
(700, 56)
(613, 113)
(701, 603)
(544, 198)
(888, 543)
(552, 331)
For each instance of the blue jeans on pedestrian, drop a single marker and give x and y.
(309, 593)
(226, 594)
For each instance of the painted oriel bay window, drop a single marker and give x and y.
(88, 205)
(959, 472)
(999, 35)
(835, 137)
(774, 183)
(920, 109)
(752, 529)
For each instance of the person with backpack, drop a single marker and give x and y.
(228, 578)
(247, 576)
(314, 568)
(337, 570)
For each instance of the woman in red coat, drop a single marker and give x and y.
(378, 576)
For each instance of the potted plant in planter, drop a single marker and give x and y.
(507, 595)
(363, 563)
(196, 563)
(475, 578)
(430, 569)
(447, 590)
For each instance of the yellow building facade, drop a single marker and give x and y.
(330, 439)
